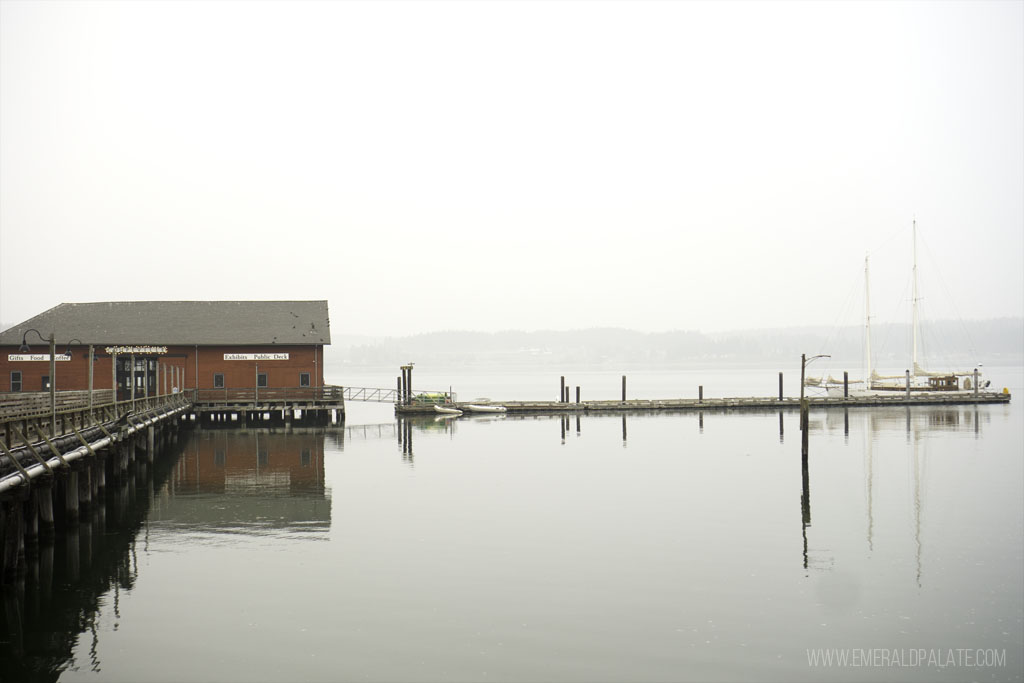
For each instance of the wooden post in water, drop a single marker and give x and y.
(975, 382)
(408, 389)
(71, 496)
(84, 486)
(44, 500)
(846, 384)
(780, 386)
(700, 394)
(623, 387)
(561, 390)
(566, 399)
(908, 385)
(577, 395)
(11, 517)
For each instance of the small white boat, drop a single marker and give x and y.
(477, 408)
(446, 411)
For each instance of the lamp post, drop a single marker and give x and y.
(24, 348)
(804, 405)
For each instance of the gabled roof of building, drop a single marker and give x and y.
(167, 323)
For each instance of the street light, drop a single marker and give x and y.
(24, 348)
(67, 351)
(804, 362)
(805, 407)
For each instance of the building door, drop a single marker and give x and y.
(145, 373)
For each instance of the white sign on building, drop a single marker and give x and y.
(140, 350)
(255, 356)
(35, 357)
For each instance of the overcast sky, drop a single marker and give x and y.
(531, 165)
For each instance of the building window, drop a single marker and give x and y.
(303, 379)
(45, 383)
(261, 379)
(218, 380)
(16, 380)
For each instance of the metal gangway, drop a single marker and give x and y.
(373, 395)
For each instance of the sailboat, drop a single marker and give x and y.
(920, 379)
(917, 379)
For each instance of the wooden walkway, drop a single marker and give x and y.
(36, 437)
(58, 451)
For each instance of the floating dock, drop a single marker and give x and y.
(742, 403)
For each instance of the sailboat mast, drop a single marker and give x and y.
(914, 350)
(867, 324)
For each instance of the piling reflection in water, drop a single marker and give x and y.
(872, 421)
(262, 479)
(78, 573)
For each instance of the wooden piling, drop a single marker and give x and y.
(700, 393)
(84, 486)
(10, 511)
(780, 386)
(623, 387)
(846, 384)
(43, 490)
(577, 394)
(561, 390)
(71, 496)
(30, 513)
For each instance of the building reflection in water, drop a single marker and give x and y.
(267, 479)
(262, 477)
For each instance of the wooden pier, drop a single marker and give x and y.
(59, 451)
(319, 404)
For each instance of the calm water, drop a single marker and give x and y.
(607, 548)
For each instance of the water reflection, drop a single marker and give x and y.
(248, 481)
(202, 482)
(73, 578)
(874, 421)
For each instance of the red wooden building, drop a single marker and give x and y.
(174, 345)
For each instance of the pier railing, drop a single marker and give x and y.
(327, 394)
(29, 418)
(37, 403)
